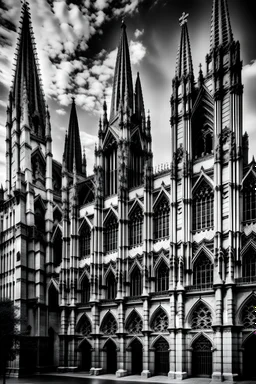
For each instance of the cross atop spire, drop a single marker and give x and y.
(184, 18)
(184, 64)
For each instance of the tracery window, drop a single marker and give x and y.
(203, 272)
(109, 326)
(86, 328)
(203, 208)
(162, 278)
(249, 197)
(136, 227)
(249, 265)
(202, 318)
(160, 322)
(85, 242)
(135, 324)
(111, 286)
(85, 291)
(136, 282)
(161, 220)
(249, 315)
(110, 234)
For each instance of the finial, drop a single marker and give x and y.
(73, 99)
(184, 18)
(123, 25)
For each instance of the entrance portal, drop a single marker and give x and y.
(202, 357)
(249, 371)
(86, 360)
(161, 357)
(137, 356)
(111, 357)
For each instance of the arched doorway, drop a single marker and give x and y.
(249, 371)
(86, 356)
(161, 357)
(137, 357)
(202, 357)
(111, 357)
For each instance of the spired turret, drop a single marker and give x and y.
(72, 148)
(27, 70)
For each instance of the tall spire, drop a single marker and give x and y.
(184, 64)
(221, 32)
(27, 71)
(122, 84)
(72, 148)
(139, 103)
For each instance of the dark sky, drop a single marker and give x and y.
(76, 43)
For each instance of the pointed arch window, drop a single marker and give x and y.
(203, 273)
(57, 248)
(53, 299)
(111, 286)
(249, 315)
(111, 169)
(85, 290)
(136, 282)
(86, 327)
(135, 324)
(203, 208)
(160, 322)
(110, 234)
(201, 318)
(162, 278)
(249, 265)
(249, 200)
(85, 241)
(136, 227)
(161, 219)
(109, 326)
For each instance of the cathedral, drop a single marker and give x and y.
(132, 269)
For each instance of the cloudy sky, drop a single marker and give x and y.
(77, 41)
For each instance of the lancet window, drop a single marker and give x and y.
(111, 170)
(109, 326)
(135, 324)
(161, 219)
(110, 234)
(203, 273)
(85, 290)
(249, 265)
(203, 208)
(202, 317)
(160, 323)
(136, 282)
(249, 315)
(162, 278)
(86, 327)
(85, 241)
(136, 227)
(249, 200)
(111, 286)
(57, 248)
(136, 165)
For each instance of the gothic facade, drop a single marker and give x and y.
(131, 270)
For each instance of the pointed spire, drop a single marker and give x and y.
(139, 103)
(48, 124)
(221, 32)
(84, 163)
(25, 107)
(73, 143)
(105, 116)
(200, 76)
(27, 69)
(122, 84)
(184, 64)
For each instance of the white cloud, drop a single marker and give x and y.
(138, 33)
(137, 51)
(3, 103)
(61, 111)
(249, 70)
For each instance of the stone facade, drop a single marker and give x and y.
(134, 269)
